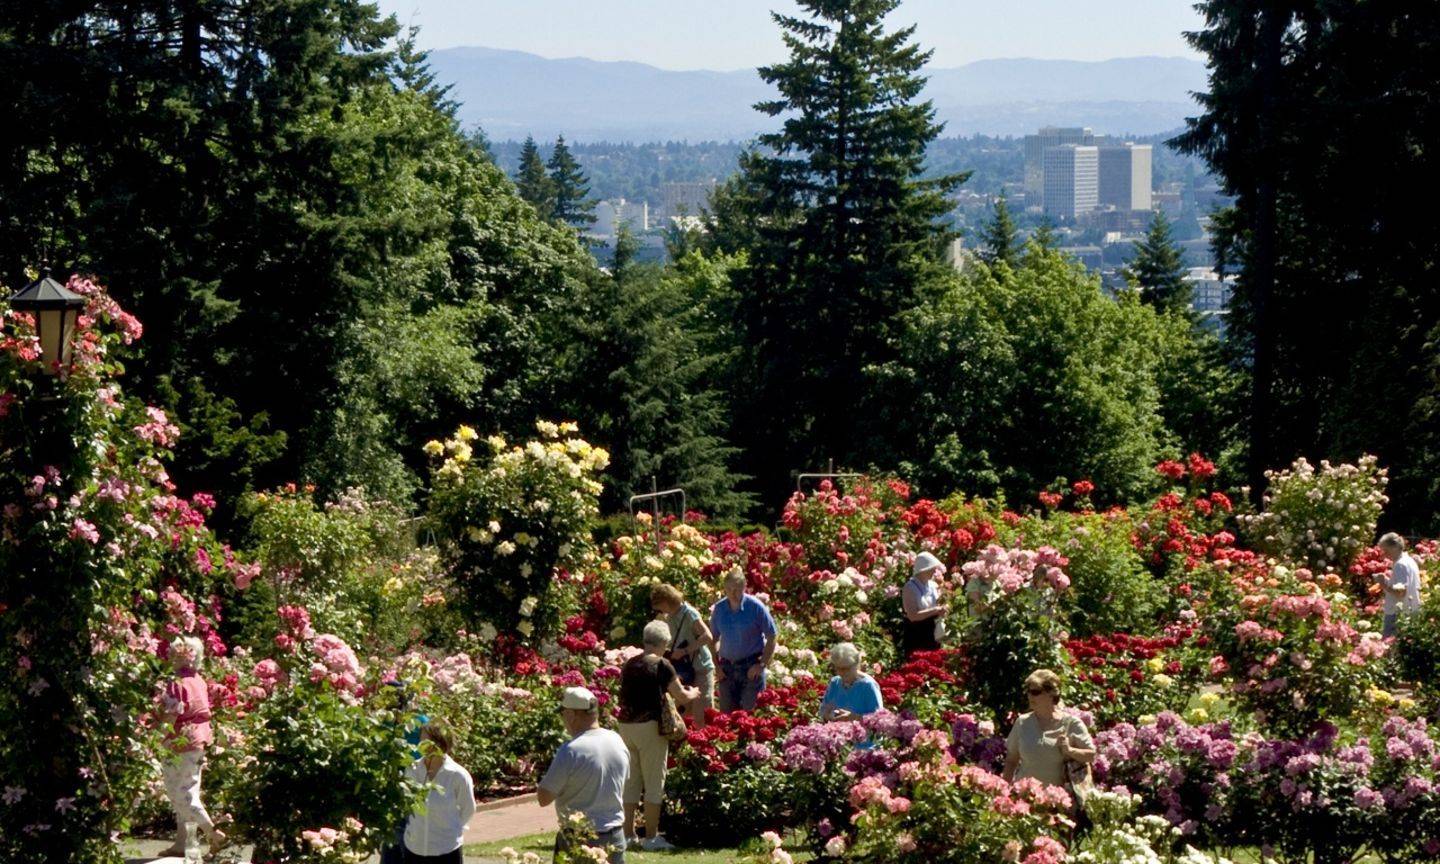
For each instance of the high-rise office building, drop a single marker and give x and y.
(1072, 180)
(1125, 176)
(686, 199)
(1035, 147)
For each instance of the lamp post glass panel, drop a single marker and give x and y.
(56, 310)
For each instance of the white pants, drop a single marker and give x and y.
(182, 787)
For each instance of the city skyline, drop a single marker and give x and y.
(691, 35)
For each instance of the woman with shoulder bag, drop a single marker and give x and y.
(691, 656)
(1049, 744)
(645, 682)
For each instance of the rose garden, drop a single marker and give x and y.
(1227, 659)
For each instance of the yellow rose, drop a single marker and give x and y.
(465, 433)
(1155, 664)
(433, 448)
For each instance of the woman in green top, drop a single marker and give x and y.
(690, 654)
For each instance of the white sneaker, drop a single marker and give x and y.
(658, 843)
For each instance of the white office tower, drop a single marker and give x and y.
(1125, 176)
(611, 215)
(1072, 180)
(1035, 147)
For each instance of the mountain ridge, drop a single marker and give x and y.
(512, 94)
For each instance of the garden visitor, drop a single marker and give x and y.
(588, 774)
(924, 613)
(690, 655)
(1042, 741)
(436, 833)
(1402, 585)
(644, 680)
(744, 640)
(394, 851)
(852, 694)
(186, 710)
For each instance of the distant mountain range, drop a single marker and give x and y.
(512, 94)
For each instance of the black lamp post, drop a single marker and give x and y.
(56, 310)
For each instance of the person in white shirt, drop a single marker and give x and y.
(435, 835)
(1402, 584)
(587, 776)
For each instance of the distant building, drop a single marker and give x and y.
(686, 199)
(1125, 176)
(1072, 180)
(1035, 147)
(1210, 297)
(611, 215)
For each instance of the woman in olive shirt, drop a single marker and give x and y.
(1042, 741)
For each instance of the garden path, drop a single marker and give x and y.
(498, 820)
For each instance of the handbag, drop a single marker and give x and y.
(672, 724)
(684, 667)
(1079, 782)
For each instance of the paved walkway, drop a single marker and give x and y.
(493, 821)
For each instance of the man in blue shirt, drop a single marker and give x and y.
(744, 635)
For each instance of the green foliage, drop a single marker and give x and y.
(570, 187)
(1157, 270)
(319, 760)
(647, 380)
(1417, 645)
(1111, 591)
(842, 231)
(1307, 237)
(1001, 241)
(531, 181)
(1010, 378)
(705, 809)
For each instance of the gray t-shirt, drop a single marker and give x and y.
(682, 633)
(588, 775)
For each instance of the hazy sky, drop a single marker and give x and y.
(734, 34)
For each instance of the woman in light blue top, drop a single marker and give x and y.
(852, 694)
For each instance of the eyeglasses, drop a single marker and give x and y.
(1036, 691)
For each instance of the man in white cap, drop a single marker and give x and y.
(924, 613)
(588, 774)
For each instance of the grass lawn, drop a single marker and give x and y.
(541, 844)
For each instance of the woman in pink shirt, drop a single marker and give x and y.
(187, 706)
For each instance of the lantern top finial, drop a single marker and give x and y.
(45, 293)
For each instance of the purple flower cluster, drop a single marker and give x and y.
(975, 742)
(815, 747)
(891, 725)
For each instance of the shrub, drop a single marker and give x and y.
(510, 524)
(1319, 519)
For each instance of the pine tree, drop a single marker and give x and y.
(532, 182)
(1000, 237)
(1044, 236)
(571, 187)
(846, 231)
(1158, 269)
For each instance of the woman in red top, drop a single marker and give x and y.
(186, 705)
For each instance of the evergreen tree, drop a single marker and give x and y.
(1158, 270)
(532, 182)
(1297, 92)
(570, 186)
(846, 231)
(1000, 237)
(1044, 236)
(646, 380)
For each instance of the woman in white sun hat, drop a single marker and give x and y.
(924, 613)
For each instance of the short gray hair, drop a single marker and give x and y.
(1393, 540)
(845, 654)
(190, 647)
(656, 635)
(735, 575)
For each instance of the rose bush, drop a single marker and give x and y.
(1320, 519)
(513, 521)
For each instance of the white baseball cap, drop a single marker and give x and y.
(923, 562)
(579, 699)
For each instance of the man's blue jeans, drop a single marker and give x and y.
(737, 689)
